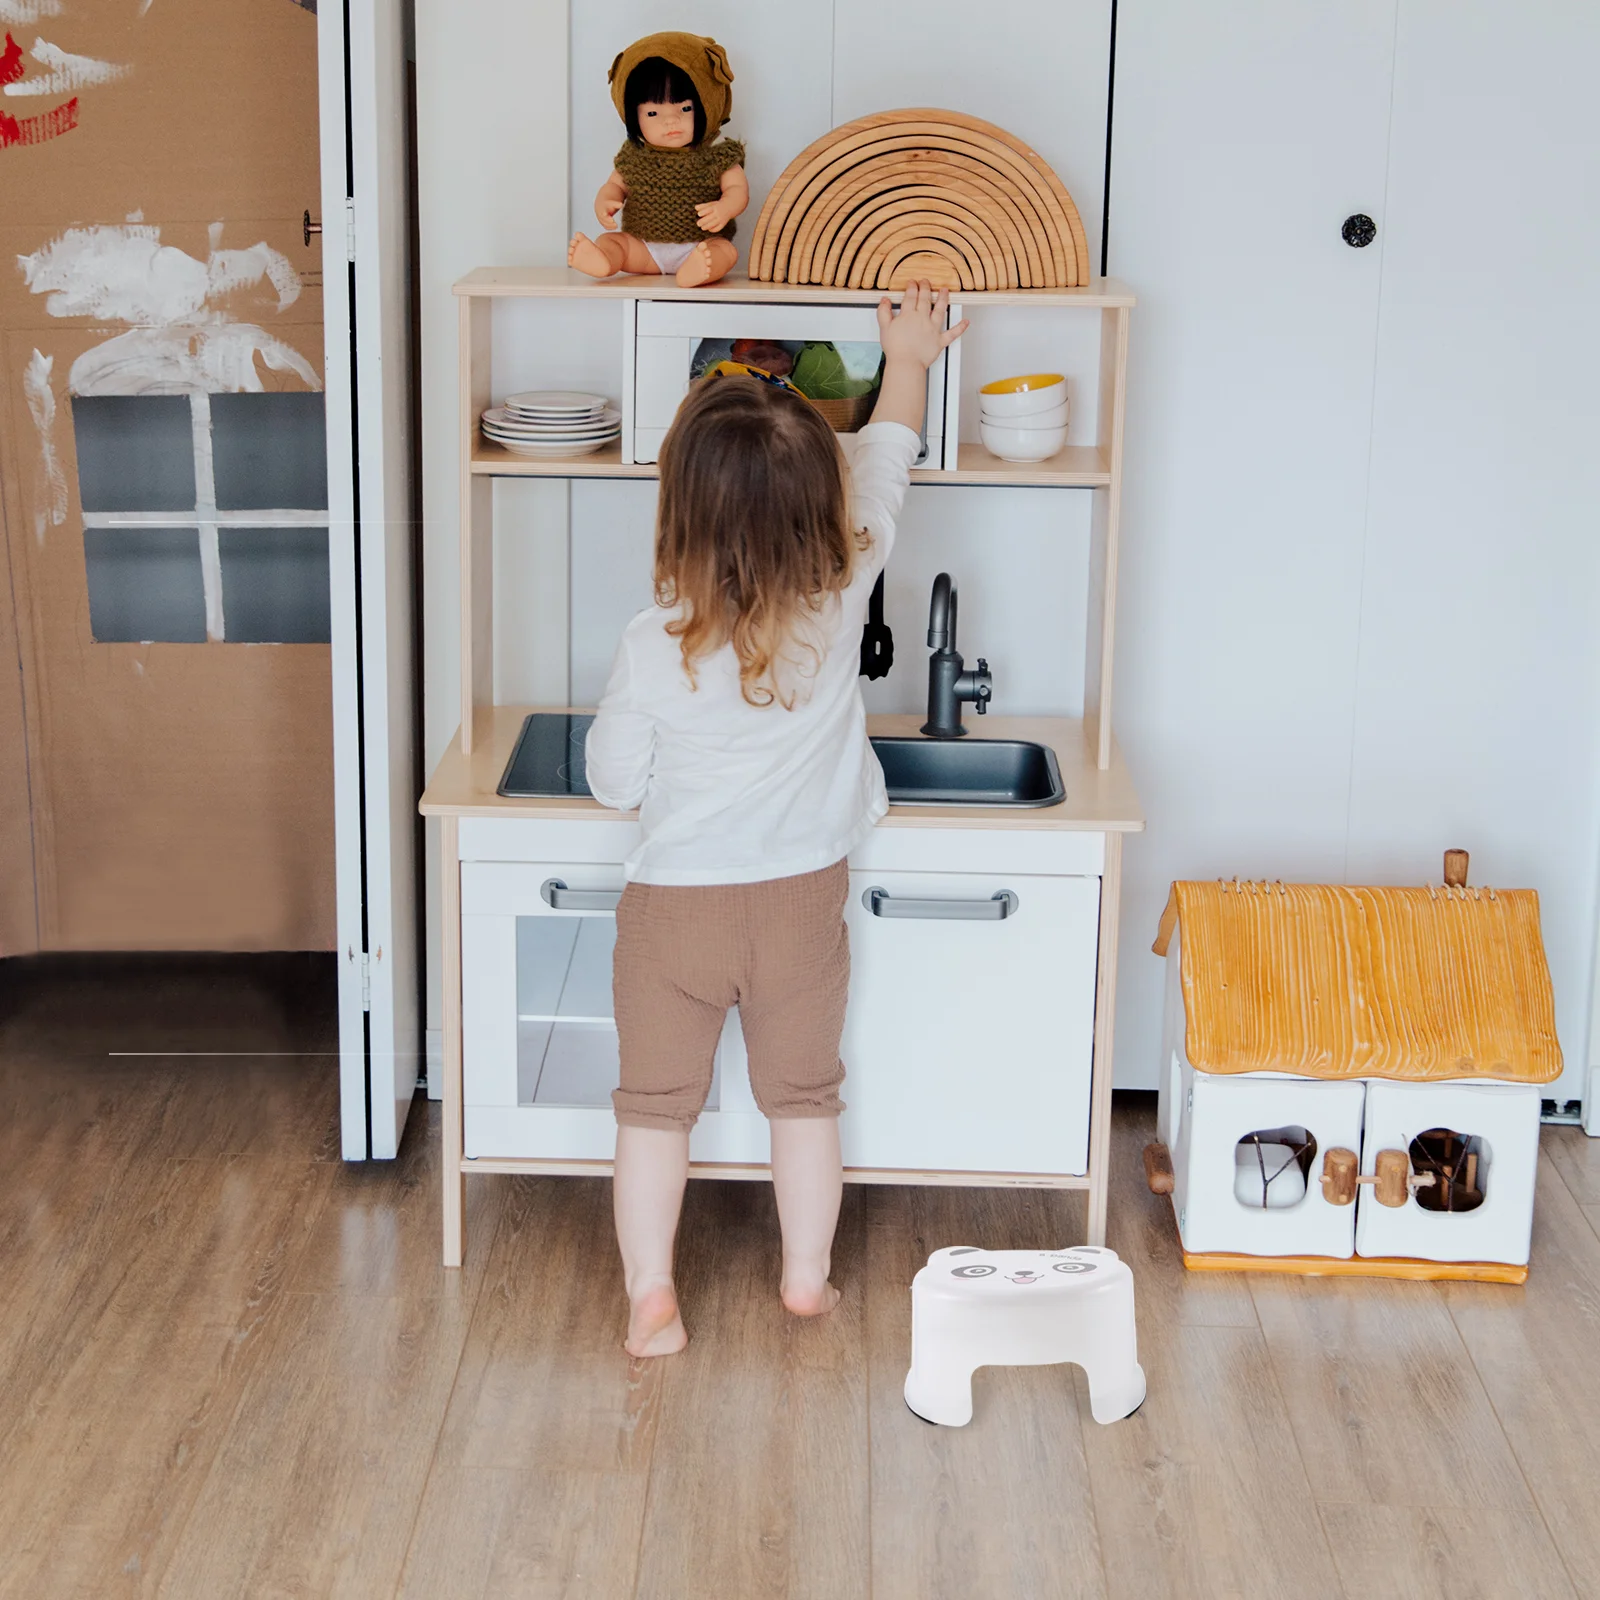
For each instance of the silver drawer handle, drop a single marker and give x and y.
(1002, 904)
(559, 897)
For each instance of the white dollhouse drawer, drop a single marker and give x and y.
(1210, 1114)
(1500, 1123)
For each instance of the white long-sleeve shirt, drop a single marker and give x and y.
(729, 792)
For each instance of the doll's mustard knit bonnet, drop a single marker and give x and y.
(703, 60)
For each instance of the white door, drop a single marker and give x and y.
(1245, 133)
(366, 257)
(970, 1033)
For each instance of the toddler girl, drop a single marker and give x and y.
(733, 720)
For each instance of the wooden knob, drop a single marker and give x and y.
(1339, 1177)
(1158, 1168)
(1455, 869)
(1393, 1186)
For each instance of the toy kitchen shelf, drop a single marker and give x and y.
(527, 884)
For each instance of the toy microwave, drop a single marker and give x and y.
(832, 353)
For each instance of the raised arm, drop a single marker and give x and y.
(912, 342)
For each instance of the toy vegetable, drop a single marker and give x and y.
(678, 192)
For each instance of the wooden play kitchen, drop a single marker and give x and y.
(978, 1039)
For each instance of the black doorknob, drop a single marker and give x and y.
(309, 227)
(1359, 231)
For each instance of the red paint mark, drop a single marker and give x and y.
(10, 61)
(35, 130)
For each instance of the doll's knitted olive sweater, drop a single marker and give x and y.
(664, 187)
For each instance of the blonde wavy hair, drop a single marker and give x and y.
(752, 529)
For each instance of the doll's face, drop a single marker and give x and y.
(669, 124)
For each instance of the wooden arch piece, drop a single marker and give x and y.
(869, 199)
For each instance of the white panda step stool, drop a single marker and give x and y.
(974, 1308)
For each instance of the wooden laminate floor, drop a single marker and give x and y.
(231, 1365)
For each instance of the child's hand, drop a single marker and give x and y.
(918, 333)
(606, 209)
(714, 215)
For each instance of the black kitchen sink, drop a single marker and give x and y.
(548, 760)
(970, 772)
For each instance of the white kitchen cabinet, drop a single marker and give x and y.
(968, 1044)
(970, 1034)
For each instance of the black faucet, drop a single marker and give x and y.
(948, 685)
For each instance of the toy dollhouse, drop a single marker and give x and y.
(1351, 1077)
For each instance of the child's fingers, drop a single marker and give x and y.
(955, 333)
(885, 317)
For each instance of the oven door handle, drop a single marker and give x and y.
(559, 897)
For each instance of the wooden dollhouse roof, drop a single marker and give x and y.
(1331, 982)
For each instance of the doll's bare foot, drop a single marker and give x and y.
(807, 1294)
(654, 1326)
(707, 262)
(584, 254)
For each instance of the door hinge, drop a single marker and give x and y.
(366, 981)
(350, 228)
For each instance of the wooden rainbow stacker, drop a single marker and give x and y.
(1351, 1077)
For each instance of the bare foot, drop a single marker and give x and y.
(654, 1326)
(808, 1298)
(584, 254)
(700, 268)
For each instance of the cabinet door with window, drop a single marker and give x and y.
(539, 1036)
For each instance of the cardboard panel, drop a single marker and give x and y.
(181, 794)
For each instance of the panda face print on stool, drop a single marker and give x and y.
(1023, 1269)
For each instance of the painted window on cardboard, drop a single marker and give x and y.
(205, 517)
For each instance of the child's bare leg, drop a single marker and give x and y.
(647, 1195)
(808, 1179)
(608, 254)
(707, 262)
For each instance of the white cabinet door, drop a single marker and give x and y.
(539, 1039)
(1499, 1124)
(969, 1037)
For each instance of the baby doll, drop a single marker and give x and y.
(678, 193)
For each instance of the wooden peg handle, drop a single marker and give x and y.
(1455, 869)
(1339, 1177)
(1158, 1168)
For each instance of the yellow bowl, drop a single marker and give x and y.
(1020, 397)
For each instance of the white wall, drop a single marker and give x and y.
(491, 189)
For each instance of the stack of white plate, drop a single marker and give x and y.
(553, 422)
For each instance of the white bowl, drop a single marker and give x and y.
(1023, 397)
(1022, 444)
(1056, 417)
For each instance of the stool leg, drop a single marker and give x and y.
(940, 1391)
(1116, 1388)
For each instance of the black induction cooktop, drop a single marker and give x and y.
(548, 757)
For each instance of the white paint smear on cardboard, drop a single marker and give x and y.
(63, 73)
(181, 340)
(28, 10)
(213, 358)
(42, 408)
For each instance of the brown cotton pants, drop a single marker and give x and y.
(778, 950)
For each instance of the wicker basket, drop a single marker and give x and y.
(845, 416)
